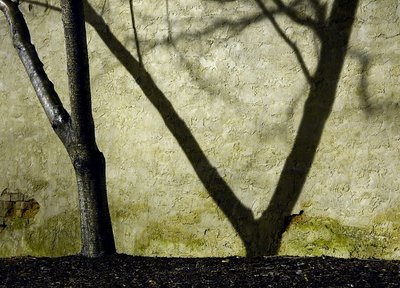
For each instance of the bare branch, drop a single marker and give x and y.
(44, 88)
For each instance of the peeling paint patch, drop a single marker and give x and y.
(16, 205)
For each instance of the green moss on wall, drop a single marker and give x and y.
(158, 238)
(56, 236)
(387, 226)
(188, 234)
(59, 235)
(316, 236)
(155, 237)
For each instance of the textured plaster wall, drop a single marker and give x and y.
(240, 89)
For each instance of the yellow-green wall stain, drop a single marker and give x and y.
(56, 236)
(189, 232)
(317, 236)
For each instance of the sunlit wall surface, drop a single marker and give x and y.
(229, 128)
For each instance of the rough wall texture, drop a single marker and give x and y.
(233, 72)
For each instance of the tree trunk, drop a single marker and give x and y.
(76, 131)
(96, 231)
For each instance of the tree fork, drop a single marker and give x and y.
(89, 164)
(76, 131)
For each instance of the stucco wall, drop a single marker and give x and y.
(233, 75)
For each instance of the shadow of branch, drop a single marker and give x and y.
(135, 34)
(317, 110)
(216, 186)
(285, 38)
(240, 216)
(261, 236)
(362, 90)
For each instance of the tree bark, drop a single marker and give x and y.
(76, 131)
(96, 231)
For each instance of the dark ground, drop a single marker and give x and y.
(129, 271)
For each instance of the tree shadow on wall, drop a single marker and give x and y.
(260, 236)
(388, 107)
(334, 34)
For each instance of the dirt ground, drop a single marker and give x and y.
(129, 271)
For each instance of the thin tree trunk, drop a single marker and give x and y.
(96, 231)
(76, 131)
